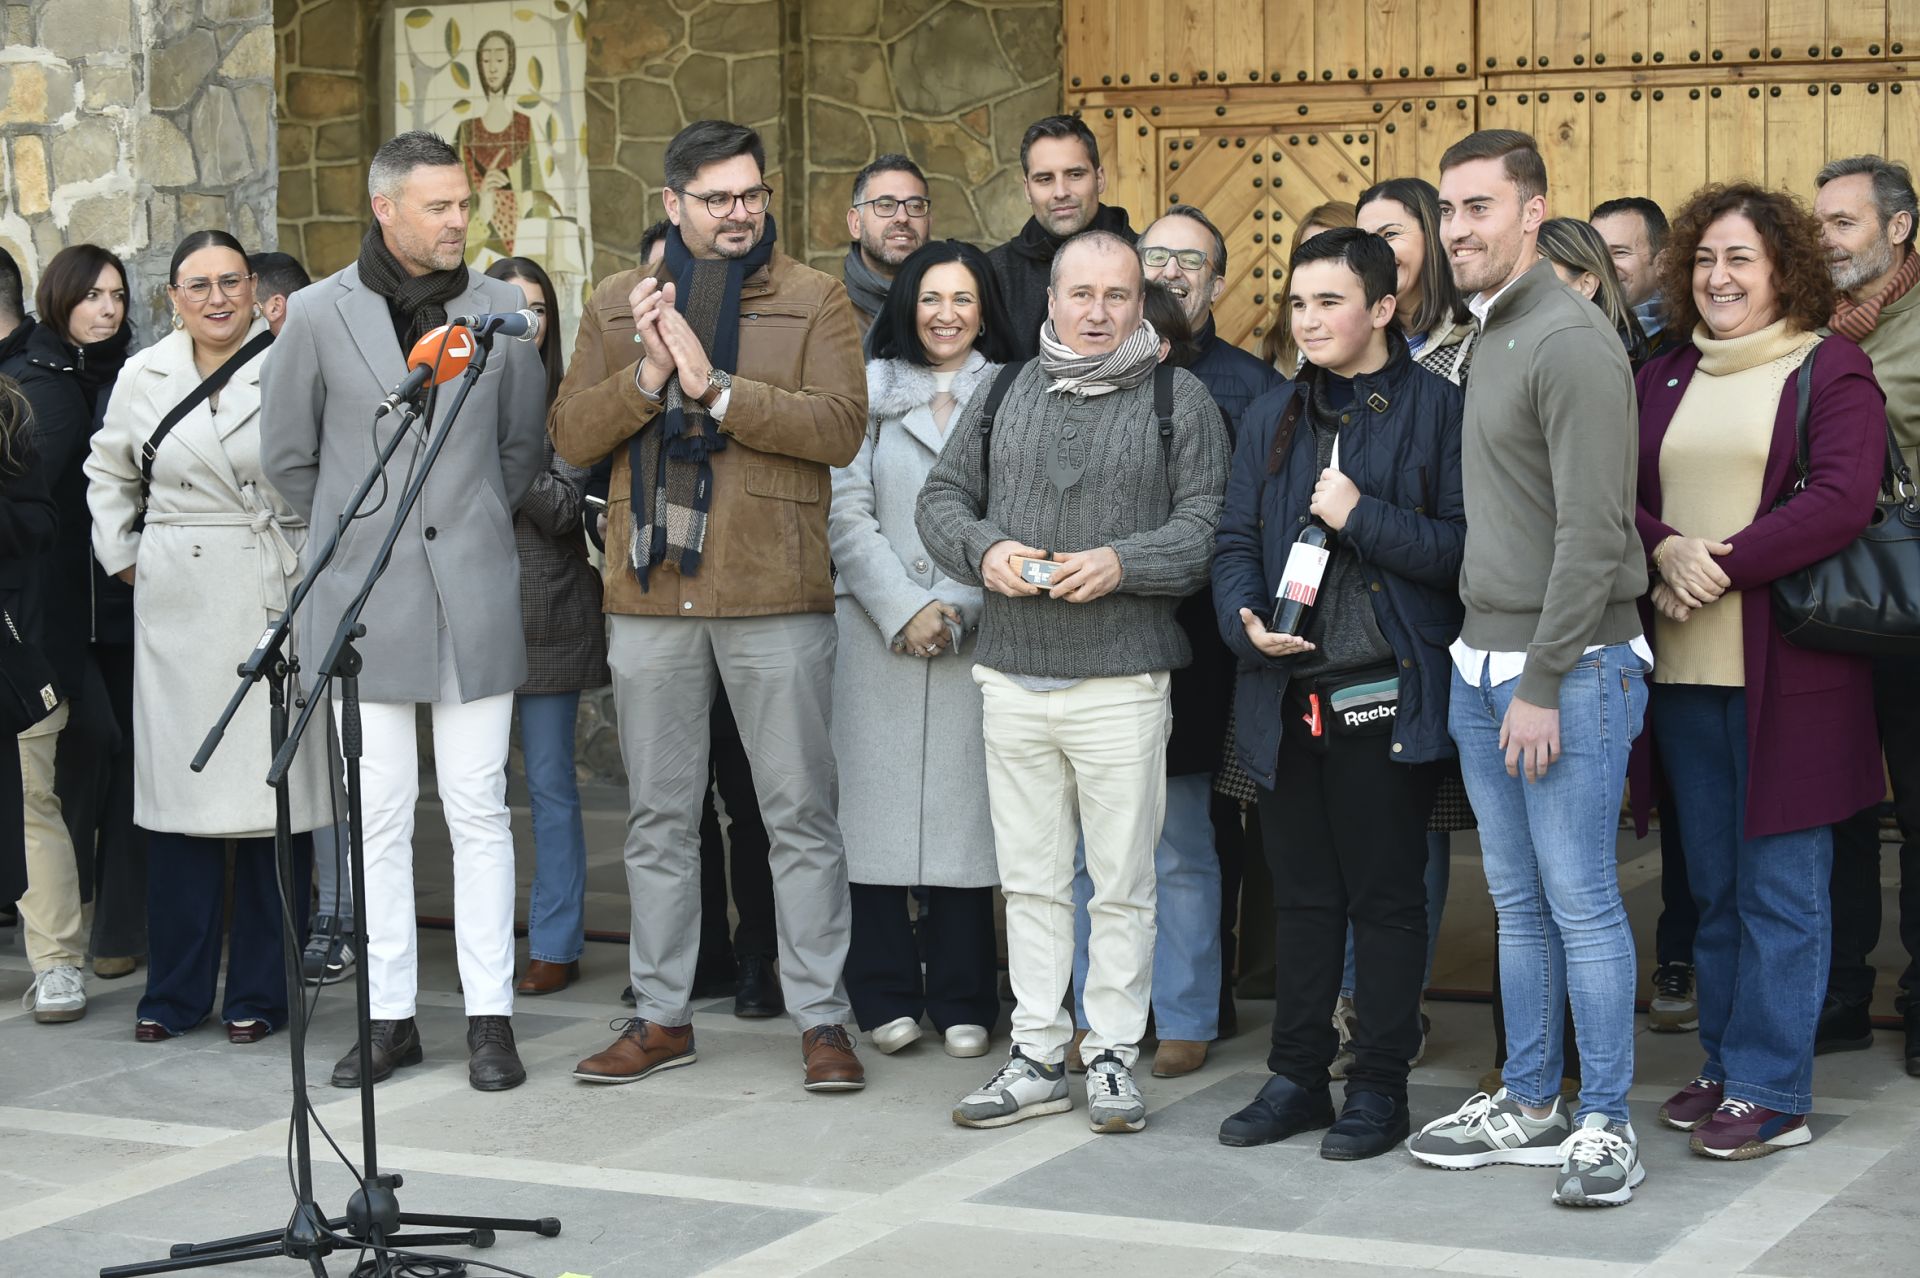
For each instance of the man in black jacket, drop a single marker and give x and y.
(1061, 165)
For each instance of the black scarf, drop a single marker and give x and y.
(867, 287)
(98, 364)
(418, 302)
(671, 467)
(1039, 244)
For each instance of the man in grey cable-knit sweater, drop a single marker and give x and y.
(1074, 676)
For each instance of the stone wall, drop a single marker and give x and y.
(328, 77)
(128, 123)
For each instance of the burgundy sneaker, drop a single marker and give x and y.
(1692, 1105)
(1741, 1129)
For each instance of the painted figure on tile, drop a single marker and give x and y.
(498, 150)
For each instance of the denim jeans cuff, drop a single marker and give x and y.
(1785, 1103)
(557, 958)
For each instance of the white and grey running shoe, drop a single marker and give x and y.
(1020, 1089)
(1491, 1131)
(1114, 1103)
(1600, 1164)
(56, 995)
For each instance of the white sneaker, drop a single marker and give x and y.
(57, 994)
(1114, 1103)
(966, 1040)
(1600, 1164)
(895, 1034)
(1020, 1089)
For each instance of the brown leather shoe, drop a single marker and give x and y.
(831, 1064)
(150, 1032)
(543, 977)
(244, 1032)
(1074, 1064)
(642, 1049)
(1177, 1056)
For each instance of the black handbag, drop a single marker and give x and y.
(27, 690)
(1865, 599)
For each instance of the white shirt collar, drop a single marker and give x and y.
(1482, 303)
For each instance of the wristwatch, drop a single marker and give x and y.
(717, 381)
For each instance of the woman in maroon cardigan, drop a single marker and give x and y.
(1766, 744)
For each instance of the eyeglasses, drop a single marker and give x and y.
(721, 203)
(200, 288)
(886, 205)
(1189, 259)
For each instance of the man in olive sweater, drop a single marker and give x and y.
(1549, 685)
(1075, 675)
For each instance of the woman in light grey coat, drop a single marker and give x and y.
(212, 567)
(906, 713)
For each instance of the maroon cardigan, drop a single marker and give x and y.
(1813, 752)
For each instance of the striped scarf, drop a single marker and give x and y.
(1858, 319)
(1122, 368)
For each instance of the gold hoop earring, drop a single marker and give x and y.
(178, 323)
(259, 311)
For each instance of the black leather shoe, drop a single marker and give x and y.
(493, 1064)
(1370, 1124)
(1844, 1026)
(1913, 1040)
(1282, 1109)
(714, 979)
(626, 996)
(395, 1043)
(756, 993)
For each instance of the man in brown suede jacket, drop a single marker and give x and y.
(725, 382)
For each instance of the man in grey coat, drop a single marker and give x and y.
(443, 624)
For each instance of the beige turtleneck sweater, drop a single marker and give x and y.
(1713, 464)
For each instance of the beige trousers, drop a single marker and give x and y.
(56, 933)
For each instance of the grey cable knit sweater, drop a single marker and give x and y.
(1156, 507)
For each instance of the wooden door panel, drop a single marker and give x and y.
(1618, 164)
(1677, 157)
(1857, 121)
(1446, 37)
(1288, 39)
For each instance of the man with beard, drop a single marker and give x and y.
(1635, 230)
(725, 382)
(889, 218)
(1867, 211)
(1064, 181)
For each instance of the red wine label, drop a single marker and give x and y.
(1306, 565)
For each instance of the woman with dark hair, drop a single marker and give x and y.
(906, 713)
(1405, 212)
(566, 654)
(1582, 261)
(1169, 319)
(188, 519)
(1765, 744)
(82, 300)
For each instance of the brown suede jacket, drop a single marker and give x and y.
(798, 408)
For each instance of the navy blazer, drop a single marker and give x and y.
(1410, 530)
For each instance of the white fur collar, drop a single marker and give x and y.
(895, 387)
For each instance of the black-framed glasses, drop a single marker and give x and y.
(917, 206)
(1189, 259)
(720, 203)
(200, 288)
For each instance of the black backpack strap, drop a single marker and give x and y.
(1002, 382)
(1163, 406)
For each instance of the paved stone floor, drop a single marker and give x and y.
(111, 1151)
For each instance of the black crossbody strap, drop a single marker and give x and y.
(209, 386)
(1163, 405)
(1803, 400)
(1002, 382)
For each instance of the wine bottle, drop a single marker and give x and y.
(1300, 581)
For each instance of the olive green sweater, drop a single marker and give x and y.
(1548, 457)
(1894, 347)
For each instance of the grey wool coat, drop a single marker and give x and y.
(906, 729)
(336, 358)
(559, 588)
(216, 563)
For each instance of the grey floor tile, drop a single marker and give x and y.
(1870, 1227)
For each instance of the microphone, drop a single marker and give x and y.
(524, 325)
(450, 347)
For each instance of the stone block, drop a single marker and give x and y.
(224, 11)
(48, 238)
(197, 212)
(331, 245)
(340, 190)
(319, 96)
(842, 17)
(176, 71)
(19, 26)
(107, 86)
(331, 36)
(246, 223)
(1003, 204)
(1012, 116)
(32, 187)
(296, 145)
(850, 72)
(23, 86)
(897, 15)
(1030, 35)
(87, 28)
(756, 89)
(619, 203)
(603, 125)
(163, 222)
(941, 146)
(166, 157)
(251, 57)
(837, 137)
(735, 28)
(295, 195)
(647, 110)
(950, 62)
(646, 160)
(102, 219)
(170, 20)
(341, 140)
(954, 210)
(701, 82)
(255, 104)
(89, 149)
(620, 46)
(219, 139)
(826, 212)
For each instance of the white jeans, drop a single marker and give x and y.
(1089, 757)
(470, 767)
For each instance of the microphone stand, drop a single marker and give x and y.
(373, 1212)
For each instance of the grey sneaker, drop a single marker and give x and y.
(1675, 1009)
(329, 953)
(1114, 1103)
(1022, 1088)
(1600, 1164)
(1490, 1131)
(57, 994)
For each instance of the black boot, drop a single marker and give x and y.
(394, 1043)
(756, 993)
(493, 1063)
(1844, 1026)
(1370, 1124)
(1282, 1109)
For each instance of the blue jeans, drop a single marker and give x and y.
(1186, 950)
(556, 911)
(1761, 952)
(1552, 870)
(1439, 875)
